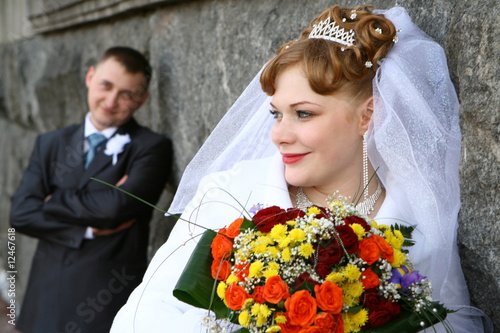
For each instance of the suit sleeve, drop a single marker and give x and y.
(104, 207)
(26, 214)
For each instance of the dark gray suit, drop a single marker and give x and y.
(77, 284)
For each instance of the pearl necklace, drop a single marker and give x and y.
(365, 207)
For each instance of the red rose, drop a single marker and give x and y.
(328, 256)
(304, 277)
(267, 218)
(293, 213)
(380, 310)
(349, 238)
(355, 219)
(323, 212)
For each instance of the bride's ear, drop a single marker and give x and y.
(366, 114)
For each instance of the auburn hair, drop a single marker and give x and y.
(330, 66)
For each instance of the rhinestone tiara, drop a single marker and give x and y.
(333, 32)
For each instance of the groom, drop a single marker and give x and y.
(92, 249)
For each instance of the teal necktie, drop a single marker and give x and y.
(95, 140)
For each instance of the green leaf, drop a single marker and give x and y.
(409, 321)
(196, 285)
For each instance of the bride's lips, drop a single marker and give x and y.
(292, 158)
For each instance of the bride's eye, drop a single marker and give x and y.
(303, 114)
(275, 114)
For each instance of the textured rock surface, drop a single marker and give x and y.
(204, 54)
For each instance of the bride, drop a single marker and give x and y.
(326, 112)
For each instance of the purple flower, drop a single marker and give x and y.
(255, 208)
(409, 279)
(397, 274)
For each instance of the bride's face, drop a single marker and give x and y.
(319, 137)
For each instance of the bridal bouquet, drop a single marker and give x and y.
(315, 270)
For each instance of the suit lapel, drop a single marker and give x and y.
(102, 160)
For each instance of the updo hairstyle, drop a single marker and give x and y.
(330, 66)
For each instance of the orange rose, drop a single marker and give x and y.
(369, 250)
(387, 250)
(288, 327)
(258, 294)
(236, 296)
(223, 272)
(369, 279)
(315, 329)
(241, 270)
(334, 324)
(329, 297)
(234, 228)
(301, 308)
(275, 290)
(324, 320)
(221, 247)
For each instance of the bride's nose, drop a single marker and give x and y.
(282, 133)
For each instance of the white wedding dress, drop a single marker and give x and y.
(152, 307)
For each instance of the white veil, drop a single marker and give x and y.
(414, 139)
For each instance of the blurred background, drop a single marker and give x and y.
(204, 53)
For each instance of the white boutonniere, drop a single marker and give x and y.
(115, 145)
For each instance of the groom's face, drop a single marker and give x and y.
(113, 94)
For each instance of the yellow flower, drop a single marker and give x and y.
(286, 255)
(358, 230)
(349, 324)
(255, 269)
(255, 309)
(270, 272)
(291, 223)
(383, 227)
(399, 235)
(352, 273)
(298, 235)
(306, 250)
(244, 319)
(394, 241)
(261, 320)
(261, 248)
(278, 232)
(273, 329)
(399, 258)
(221, 290)
(335, 277)
(374, 224)
(360, 318)
(247, 303)
(356, 289)
(232, 278)
(273, 251)
(265, 311)
(284, 242)
(280, 319)
(313, 210)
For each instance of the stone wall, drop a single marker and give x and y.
(204, 53)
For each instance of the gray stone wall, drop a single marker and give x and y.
(204, 54)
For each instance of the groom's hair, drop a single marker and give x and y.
(133, 61)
